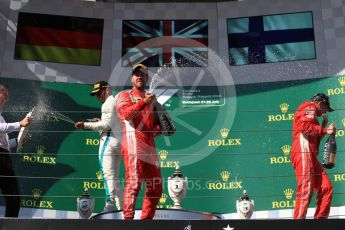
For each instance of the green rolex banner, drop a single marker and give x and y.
(271, 38)
(62, 39)
(251, 153)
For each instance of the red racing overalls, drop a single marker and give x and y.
(310, 175)
(139, 152)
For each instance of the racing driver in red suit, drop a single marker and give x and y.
(140, 127)
(310, 175)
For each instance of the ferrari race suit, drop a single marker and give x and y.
(139, 152)
(8, 181)
(109, 151)
(310, 175)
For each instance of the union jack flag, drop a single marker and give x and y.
(156, 43)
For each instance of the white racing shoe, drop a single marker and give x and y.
(109, 207)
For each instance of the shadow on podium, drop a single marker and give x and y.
(161, 214)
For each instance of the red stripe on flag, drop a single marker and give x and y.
(174, 41)
(60, 38)
(167, 49)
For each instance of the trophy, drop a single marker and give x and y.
(177, 187)
(244, 206)
(85, 205)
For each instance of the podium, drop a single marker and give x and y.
(162, 214)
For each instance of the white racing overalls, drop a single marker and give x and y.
(109, 150)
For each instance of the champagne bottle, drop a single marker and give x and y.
(92, 120)
(329, 152)
(167, 125)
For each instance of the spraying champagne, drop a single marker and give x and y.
(166, 123)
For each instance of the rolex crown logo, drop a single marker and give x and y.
(163, 154)
(343, 121)
(288, 193)
(40, 149)
(163, 198)
(286, 149)
(36, 193)
(224, 133)
(284, 107)
(99, 175)
(342, 80)
(225, 175)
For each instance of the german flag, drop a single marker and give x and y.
(62, 39)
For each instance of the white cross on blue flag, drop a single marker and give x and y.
(272, 38)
